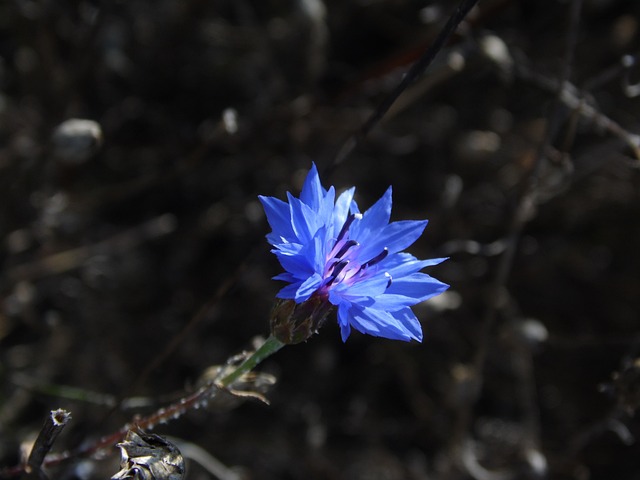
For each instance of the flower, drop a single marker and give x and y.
(333, 253)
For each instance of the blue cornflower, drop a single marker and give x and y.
(332, 253)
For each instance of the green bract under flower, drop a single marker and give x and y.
(333, 253)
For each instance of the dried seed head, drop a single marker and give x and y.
(149, 457)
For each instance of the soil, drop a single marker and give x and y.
(133, 255)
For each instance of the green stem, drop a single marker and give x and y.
(268, 348)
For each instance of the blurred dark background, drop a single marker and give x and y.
(120, 230)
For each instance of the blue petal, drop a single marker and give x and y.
(407, 318)
(317, 251)
(373, 220)
(383, 324)
(418, 286)
(343, 321)
(402, 264)
(395, 237)
(303, 233)
(399, 235)
(297, 265)
(312, 192)
(307, 288)
(408, 291)
(289, 292)
(278, 216)
(291, 249)
(325, 212)
(304, 220)
(366, 287)
(285, 277)
(342, 209)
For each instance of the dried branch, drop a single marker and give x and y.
(53, 425)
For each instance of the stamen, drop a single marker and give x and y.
(377, 259)
(347, 224)
(347, 245)
(336, 269)
(386, 274)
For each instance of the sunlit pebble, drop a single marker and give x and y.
(477, 145)
(230, 120)
(430, 14)
(453, 186)
(84, 469)
(533, 331)
(537, 461)
(76, 140)
(449, 300)
(456, 61)
(497, 51)
(314, 9)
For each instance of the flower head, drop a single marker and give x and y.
(355, 261)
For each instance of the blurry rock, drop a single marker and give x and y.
(476, 145)
(531, 331)
(497, 51)
(76, 140)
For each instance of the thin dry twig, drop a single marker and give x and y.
(417, 69)
(497, 291)
(53, 425)
(71, 259)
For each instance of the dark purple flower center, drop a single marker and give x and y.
(343, 264)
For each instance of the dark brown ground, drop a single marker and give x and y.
(162, 222)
